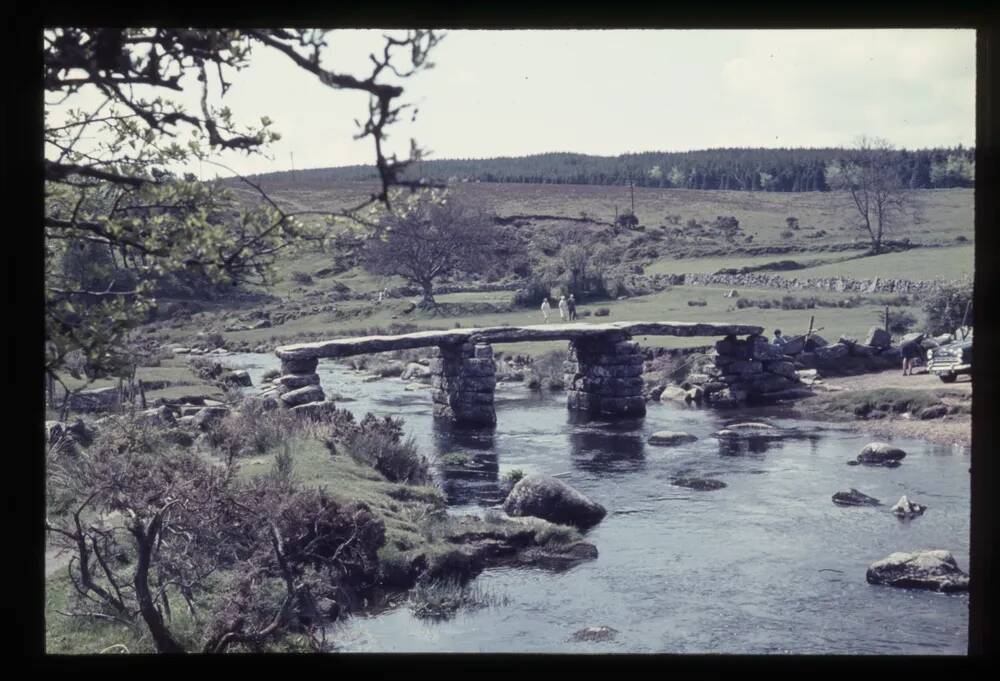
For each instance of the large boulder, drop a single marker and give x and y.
(309, 393)
(546, 497)
(95, 399)
(415, 372)
(673, 392)
(207, 415)
(239, 377)
(878, 338)
(928, 569)
(669, 438)
(879, 453)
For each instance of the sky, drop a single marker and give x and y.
(511, 93)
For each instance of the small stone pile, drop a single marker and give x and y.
(463, 379)
(603, 376)
(298, 388)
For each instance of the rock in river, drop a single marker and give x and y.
(595, 634)
(905, 508)
(670, 438)
(855, 498)
(881, 454)
(700, 484)
(546, 497)
(929, 569)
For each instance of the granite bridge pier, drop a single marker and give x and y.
(603, 374)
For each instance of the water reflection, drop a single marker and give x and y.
(606, 446)
(467, 463)
(744, 446)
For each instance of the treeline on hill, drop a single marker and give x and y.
(781, 170)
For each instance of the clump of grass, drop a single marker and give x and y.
(441, 599)
(454, 459)
(880, 403)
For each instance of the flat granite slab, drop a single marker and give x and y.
(359, 345)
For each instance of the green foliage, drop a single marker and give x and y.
(379, 443)
(119, 224)
(901, 322)
(949, 307)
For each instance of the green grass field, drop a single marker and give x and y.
(668, 305)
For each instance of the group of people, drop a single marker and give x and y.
(567, 308)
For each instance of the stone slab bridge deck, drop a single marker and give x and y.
(603, 373)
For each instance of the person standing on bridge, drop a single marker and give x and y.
(545, 309)
(563, 308)
(571, 304)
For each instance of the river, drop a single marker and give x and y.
(767, 564)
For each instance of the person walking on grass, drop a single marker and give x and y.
(545, 309)
(571, 304)
(911, 351)
(563, 308)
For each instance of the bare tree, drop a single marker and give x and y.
(879, 197)
(428, 236)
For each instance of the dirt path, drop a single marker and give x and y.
(894, 378)
(953, 429)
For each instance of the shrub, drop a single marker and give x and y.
(602, 312)
(513, 476)
(206, 369)
(303, 278)
(787, 234)
(250, 430)
(379, 443)
(532, 295)
(901, 322)
(946, 307)
(627, 219)
(697, 303)
(792, 222)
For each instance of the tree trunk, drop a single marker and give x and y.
(146, 539)
(428, 299)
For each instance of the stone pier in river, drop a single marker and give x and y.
(603, 373)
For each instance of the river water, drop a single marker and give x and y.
(767, 564)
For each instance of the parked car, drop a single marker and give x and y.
(951, 360)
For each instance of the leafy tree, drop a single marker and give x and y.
(109, 188)
(878, 197)
(949, 307)
(429, 235)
